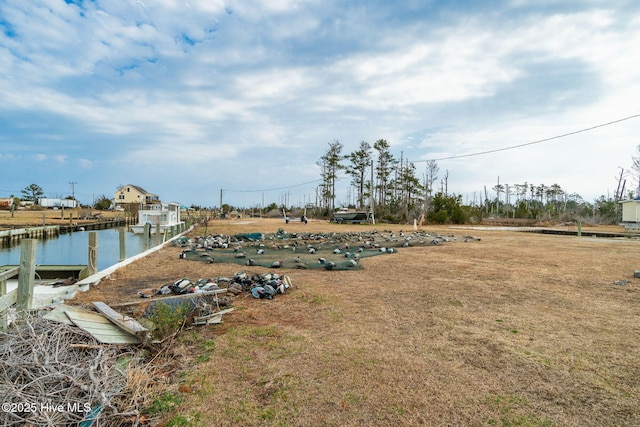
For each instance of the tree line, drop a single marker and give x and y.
(390, 187)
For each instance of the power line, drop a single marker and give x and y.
(271, 189)
(532, 142)
(458, 156)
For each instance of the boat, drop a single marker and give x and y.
(156, 216)
(51, 284)
(350, 216)
(47, 273)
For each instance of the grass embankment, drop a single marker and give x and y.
(516, 329)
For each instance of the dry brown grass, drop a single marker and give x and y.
(37, 218)
(517, 329)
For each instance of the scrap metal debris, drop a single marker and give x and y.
(241, 281)
(330, 251)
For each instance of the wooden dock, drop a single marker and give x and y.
(13, 236)
(10, 237)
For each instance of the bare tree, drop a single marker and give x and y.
(635, 168)
(430, 177)
(498, 188)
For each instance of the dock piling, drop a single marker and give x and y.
(123, 244)
(27, 275)
(3, 311)
(92, 264)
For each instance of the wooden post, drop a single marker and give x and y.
(158, 235)
(147, 235)
(92, 267)
(3, 311)
(123, 244)
(7, 300)
(27, 274)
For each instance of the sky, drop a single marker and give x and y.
(236, 101)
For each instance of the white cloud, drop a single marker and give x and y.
(85, 163)
(217, 84)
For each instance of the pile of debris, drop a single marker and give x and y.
(58, 374)
(204, 301)
(263, 285)
(73, 365)
(329, 251)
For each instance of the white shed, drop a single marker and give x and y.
(57, 203)
(630, 212)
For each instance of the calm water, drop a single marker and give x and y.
(73, 248)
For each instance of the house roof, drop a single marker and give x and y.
(138, 188)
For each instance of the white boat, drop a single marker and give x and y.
(164, 214)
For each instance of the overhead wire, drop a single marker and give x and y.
(512, 147)
(272, 189)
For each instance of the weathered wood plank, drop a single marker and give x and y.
(170, 296)
(212, 318)
(101, 328)
(9, 299)
(127, 323)
(8, 274)
(3, 312)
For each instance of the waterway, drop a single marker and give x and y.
(73, 248)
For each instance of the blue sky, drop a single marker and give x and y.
(185, 98)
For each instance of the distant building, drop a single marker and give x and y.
(57, 203)
(132, 194)
(630, 211)
(5, 203)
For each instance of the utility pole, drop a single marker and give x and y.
(73, 189)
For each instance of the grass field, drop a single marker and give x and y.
(516, 329)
